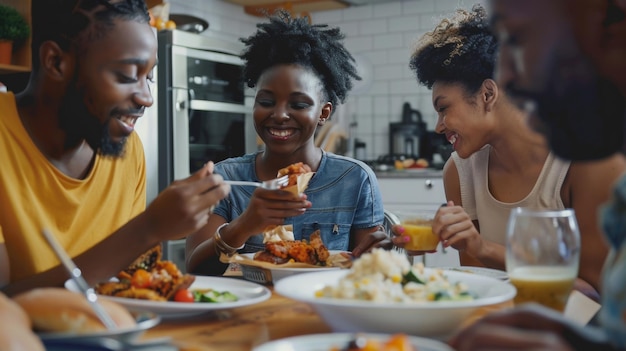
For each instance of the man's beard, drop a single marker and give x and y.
(582, 114)
(78, 123)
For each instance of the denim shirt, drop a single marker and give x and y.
(613, 312)
(343, 192)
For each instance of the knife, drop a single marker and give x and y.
(77, 277)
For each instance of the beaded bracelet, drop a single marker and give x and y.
(223, 247)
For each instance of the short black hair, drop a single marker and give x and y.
(79, 21)
(287, 40)
(462, 49)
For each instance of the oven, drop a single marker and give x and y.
(202, 111)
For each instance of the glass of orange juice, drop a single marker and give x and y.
(418, 226)
(542, 255)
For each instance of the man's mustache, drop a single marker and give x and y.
(133, 111)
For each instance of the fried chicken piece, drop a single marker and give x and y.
(140, 293)
(278, 248)
(300, 251)
(297, 250)
(293, 171)
(111, 288)
(314, 253)
(318, 245)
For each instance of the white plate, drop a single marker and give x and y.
(324, 342)
(488, 272)
(436, 319)
(145, 320)
(248, 293)
(262, 276)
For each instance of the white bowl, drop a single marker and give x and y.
(436, 319)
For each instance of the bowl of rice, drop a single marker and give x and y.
(384, 293)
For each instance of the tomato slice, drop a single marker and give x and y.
(184, 295)
(141, 279)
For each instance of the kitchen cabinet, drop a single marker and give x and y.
(405, 190)
(21, 57)
(420, 190)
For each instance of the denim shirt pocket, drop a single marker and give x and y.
(334, 235)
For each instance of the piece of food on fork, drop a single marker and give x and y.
(299, 175)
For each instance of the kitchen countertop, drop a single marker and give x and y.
(410, 173)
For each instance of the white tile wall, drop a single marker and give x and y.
(380, 37)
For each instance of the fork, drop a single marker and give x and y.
(271, 184)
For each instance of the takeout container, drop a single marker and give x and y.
(436, 319)
(268, 273)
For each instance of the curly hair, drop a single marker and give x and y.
(462, 49)
(287, 40)
(78, 22)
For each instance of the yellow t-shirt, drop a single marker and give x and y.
(36, 195)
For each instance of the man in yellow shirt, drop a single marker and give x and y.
(70, 160)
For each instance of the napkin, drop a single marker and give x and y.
(580, 309)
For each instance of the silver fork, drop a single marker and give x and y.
(271, 184)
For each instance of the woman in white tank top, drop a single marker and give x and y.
(499, 162)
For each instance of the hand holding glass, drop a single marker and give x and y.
(542, 255)
(418, 226)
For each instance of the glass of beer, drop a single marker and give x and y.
(542, 255)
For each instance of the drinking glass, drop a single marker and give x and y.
(542, 255)
(418, 225)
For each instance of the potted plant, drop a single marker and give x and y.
(13, 29)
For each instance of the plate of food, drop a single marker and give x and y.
(354, 342)
(150, 284)
(209, 294)
(283, 256)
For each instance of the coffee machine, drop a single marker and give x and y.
(405, 136)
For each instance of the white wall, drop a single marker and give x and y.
(380, 37)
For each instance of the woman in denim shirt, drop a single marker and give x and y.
(300, 72)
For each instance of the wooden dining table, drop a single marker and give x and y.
(243, 328)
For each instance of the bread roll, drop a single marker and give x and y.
(61, 310)
(16, 333)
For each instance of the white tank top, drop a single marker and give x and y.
(492, 215)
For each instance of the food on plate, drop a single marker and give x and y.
(313, 252)
(210, 295)
(148, 278)
(204, 295)
(61, 310)
(387, 276)
(145, 261)
(397, 342)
